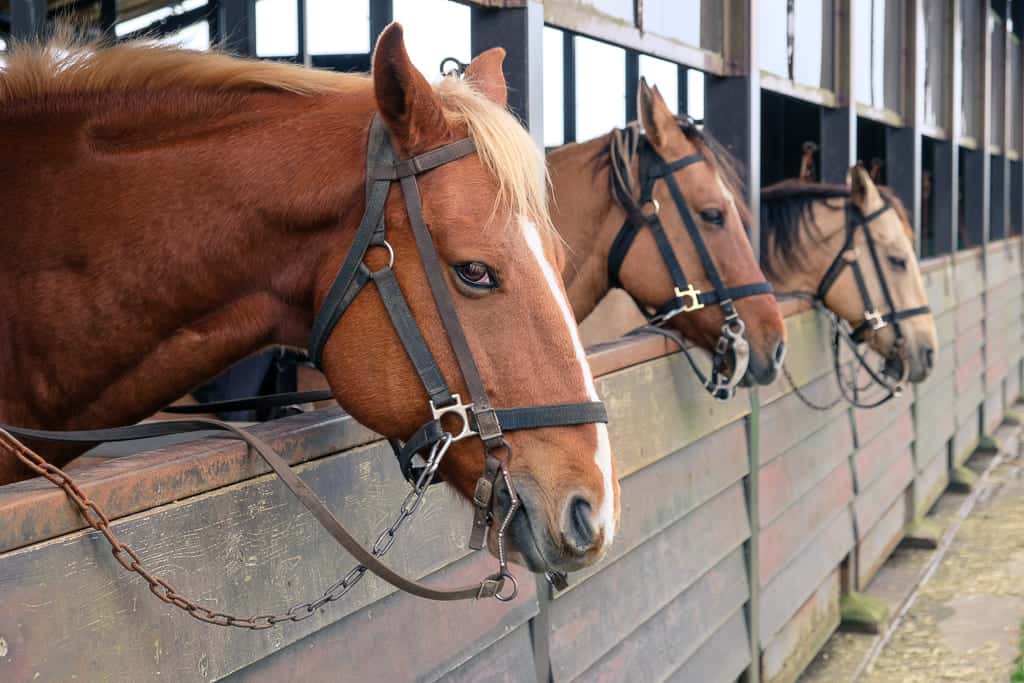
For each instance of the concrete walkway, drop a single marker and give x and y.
(965, 622)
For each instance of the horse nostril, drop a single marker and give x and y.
(780, 354)
(579, 533)
(929, 358)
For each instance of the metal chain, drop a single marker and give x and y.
(129, 559)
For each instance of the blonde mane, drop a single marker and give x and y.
(67, 66)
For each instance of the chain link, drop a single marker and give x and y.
(129, 559)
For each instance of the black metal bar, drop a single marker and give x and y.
(5, 23)
(682, 89)
(944, 200)
(28, 19)
(998, 204)
(382, 13)
(569, 86)
(108, 16)
(520, 31)
(356, 63)
(302, 52)
(237, 26)
(173, 23)
(632, 83)
(973, 174)
(838, 145)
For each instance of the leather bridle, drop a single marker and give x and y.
(478, 418)
(645, 213)
(874, 320)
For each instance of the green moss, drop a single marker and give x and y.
(1018, 673)
(863, 613)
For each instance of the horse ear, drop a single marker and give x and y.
(656, 117)
(485, 73)
(406, 101)
(863, 191)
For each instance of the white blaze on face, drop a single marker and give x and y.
(603, 456)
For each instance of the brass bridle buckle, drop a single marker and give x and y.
(690, 297)
(461, 410)
(876, 319)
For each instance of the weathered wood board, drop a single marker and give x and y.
(876, 544)
(720, 659)
(792, 649)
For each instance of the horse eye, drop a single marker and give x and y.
(898, 262)
(712, 216)
(476, 274)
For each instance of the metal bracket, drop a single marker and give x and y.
(458, 408)
(876, 319)
(693, 295)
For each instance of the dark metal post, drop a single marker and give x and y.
(839, 125)
(28, 19)
(683, 90)
(302, 55)
(520, 31)
(236, 26)
(568, 87)
(733, 115)
(382, 13)
(903, 145)
(108, 16)
(946, 178)
(632, 83)
(1008, 112)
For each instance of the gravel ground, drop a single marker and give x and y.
(965, 623)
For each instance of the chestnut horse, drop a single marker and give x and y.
(589, 215)
(167, 213)
(804, 229)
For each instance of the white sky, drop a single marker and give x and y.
(436, 29)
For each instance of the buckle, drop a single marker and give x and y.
(876, 319)
(694, 298)
(458, 408)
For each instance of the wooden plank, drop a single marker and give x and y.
(657, 408)
(993, 409)
(965, 439)
(1013, 383)
(248, 549)
(878, 543)
(787, 421)
(970, 368)
(432, 638)
(35, 510)
(934, 415)
(784, 595)
(945, 326)
(939, 285)
(585, 624)
(665, 642)
(968, 273)
(720, 659)
(968, 400)
(870, 423)
(507, 661)
(808, 353)
(663, 493)
(969, 342)
(969, 316)
(787, 654)
(931, 480)
(785, 479)
(784, 539)
(873, 501)
(875, 457)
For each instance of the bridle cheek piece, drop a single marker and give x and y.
(874, 320)
(687, 298)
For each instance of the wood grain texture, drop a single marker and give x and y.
(785, 538)
(873, 501)
(878, 543)
(507, 661)
(787, 422)
(720, 659)
(934, 415)
(586, 623)
(784, 595)
(968, 273)
(430, 639)
(667, 640)
(965, 439)
(874, 459)
(939, 285)
(663, 493)
(870, 423)
(787, 654)
(248, 548)
(788, 477)
(931, 480)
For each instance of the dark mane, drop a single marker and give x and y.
(717, 156)
(788, 206)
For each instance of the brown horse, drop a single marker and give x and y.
(804, 228)
(589, 217)
(167, 213)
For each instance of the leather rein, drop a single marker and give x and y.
(477, 418)
(874, 320)
(629, 143)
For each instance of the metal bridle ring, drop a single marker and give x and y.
(460, 67)
(653, 203)
(515, 587)
(391, 252)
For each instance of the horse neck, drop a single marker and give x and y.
(587, 219)
(182, 246)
